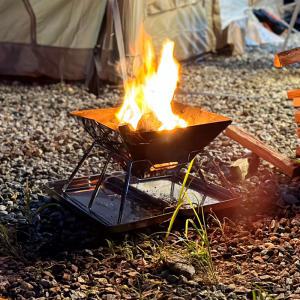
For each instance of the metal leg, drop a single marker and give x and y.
(173, 180)
(172, 190)
(201, 175)
(99, 182)
(125, 191)
(84, 157)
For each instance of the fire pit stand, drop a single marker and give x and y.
(129, 178)
(147, 189)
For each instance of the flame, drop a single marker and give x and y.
(152, 89)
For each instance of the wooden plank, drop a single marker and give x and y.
(298, 151)
(291, 94)
(297, 116)
(288, 57)
(285, 164)
(296, 102)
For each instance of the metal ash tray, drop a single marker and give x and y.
(147, 203)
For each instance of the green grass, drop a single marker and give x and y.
(28, 213)
(197, 248)
(9, 245)
(258, 293)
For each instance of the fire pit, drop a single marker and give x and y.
(154, 149)
(146, 193)
(152, 139)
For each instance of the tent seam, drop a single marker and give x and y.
(32, 21)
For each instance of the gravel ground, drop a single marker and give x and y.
(40, 143)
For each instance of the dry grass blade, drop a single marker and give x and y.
(8, 243)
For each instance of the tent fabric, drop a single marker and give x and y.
(15, 22)
(232, 10)
(106, 58)
(157, 7)
(77, 23)
(42, 61)
(75, 39)
(49, 38)
(189, 23)
(184, 22)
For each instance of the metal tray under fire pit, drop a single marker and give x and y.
(147, 203)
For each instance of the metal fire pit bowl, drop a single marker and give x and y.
(157, 146)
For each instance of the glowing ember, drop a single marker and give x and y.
(149, 95)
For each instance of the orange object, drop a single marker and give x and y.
(296, 102)
(287, 58)
(297, 116)
(277, 62)
(293, 94)
(298, 151)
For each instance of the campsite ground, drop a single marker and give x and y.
(59, 255)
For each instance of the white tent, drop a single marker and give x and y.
(76, 39)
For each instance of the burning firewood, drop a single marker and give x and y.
(128, 134)
(148, 122)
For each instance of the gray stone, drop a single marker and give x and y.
(172, 278)
(46, 283)
(26, 285)
(102, 281)
(290, 198)
(109, 297)
(89, 252)
(182, 268)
